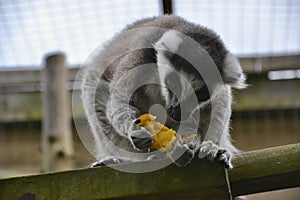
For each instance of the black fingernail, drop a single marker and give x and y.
(226, 166)
(220, 152)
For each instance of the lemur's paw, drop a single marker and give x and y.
(225, 156)
(140, 138)
(187, 154)
(208, 149)
(213, 152)
(106, 162)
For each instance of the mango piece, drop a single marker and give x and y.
(163, 137)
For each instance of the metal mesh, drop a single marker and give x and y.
(30, 29)
(249, 27)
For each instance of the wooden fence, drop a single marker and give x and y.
(250, 65)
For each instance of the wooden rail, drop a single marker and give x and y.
(255, 171)
(269, 63)
(266, 170)
(249, 64)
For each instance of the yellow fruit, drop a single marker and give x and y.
(163, 137)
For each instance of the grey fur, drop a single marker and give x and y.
(112, 103)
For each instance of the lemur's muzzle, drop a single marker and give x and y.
(182, 111)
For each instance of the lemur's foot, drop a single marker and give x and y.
(211, 151)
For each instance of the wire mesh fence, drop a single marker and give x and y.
(30, 29)
(249, 27)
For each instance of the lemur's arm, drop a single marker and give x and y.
(122, 116)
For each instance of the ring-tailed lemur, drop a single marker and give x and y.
(146, 52)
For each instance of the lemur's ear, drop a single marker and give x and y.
(233, 73)
(170, 41)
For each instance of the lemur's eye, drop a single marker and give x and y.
(203, 93)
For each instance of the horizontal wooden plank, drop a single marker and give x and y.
(18, 105)
(171, 182)
(270, 63)
(266, 170)
(249, 64)
(255, 171)
(264, 94)
(29, 75)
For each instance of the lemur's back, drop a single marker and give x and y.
(145, 32)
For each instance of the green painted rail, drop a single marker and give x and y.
(255, 171)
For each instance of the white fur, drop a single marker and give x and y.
(170, 41)
(187, 89)
(164, 70)
(233, 73)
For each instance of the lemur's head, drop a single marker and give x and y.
(182, 86)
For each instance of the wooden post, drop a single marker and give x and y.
(57, 143)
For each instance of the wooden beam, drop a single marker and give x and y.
(265, 170)
(29, 75)
(270, 63)
(199, 180)
(23, 102)
(249, 64)
(284, 95)
(255, 171)
(22, 75)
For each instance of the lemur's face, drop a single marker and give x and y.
(182, 86)
(183, 91)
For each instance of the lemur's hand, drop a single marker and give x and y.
(211, 151)
(140, 138)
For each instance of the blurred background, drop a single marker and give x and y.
(265, 35)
